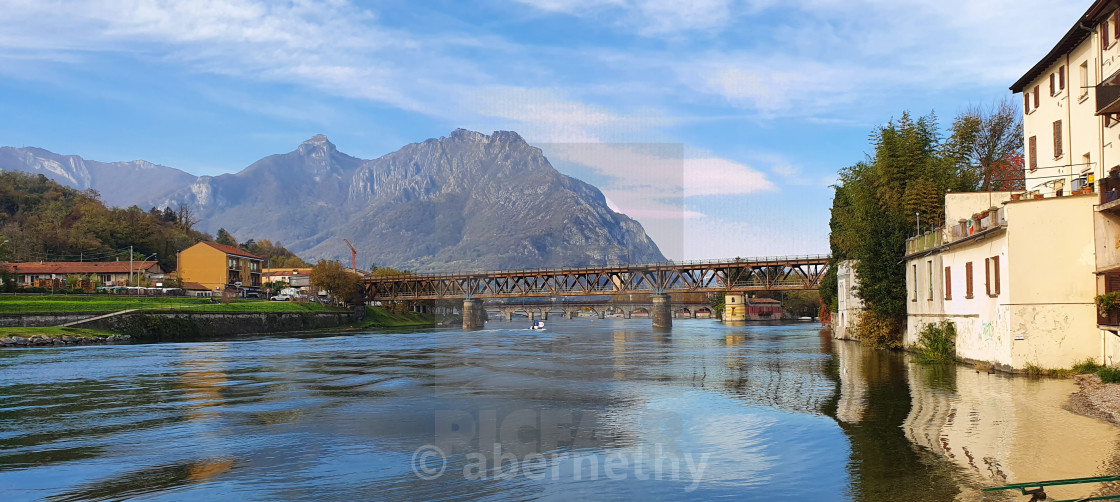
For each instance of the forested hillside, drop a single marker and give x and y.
(41, 220)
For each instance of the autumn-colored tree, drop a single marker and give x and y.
(332, 277)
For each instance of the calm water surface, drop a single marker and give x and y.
(588, 409)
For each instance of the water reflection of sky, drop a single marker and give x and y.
(772, 411)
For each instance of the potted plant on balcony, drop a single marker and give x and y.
(1108, 305)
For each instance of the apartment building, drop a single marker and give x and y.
(218, 266)
(1015, 276)
(1018, 272)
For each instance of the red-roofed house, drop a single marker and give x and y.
(217, 266)
(108, 273)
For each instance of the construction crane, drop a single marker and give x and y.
(353, 256)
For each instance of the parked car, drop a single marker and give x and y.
(281, 298)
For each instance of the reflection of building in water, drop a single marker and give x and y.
(202, 381)
(790, 382)
(853, 387)
(1007, 430)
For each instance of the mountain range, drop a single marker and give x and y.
(468, 201)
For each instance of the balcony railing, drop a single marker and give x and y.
(984, 220)
(1108, 99)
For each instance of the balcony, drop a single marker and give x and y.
(1108, 99)
(980, 223)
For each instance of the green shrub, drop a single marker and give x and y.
(1109, 374)
(1089, 365)
(936, 343)
(878, 332)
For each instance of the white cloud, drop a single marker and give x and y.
(650, 17)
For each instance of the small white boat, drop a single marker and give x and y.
(539, 325)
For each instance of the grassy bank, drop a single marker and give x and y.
(253, 306)
(53, 332)
(20, 304)
(377, 317)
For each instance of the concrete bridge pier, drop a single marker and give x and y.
(602, 314)
(544, 315)
(474, 316)
(662, 311)
(572, 315)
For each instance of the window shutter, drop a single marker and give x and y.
(1026, 103)
(995, 275)
(1104, 35)
(948, 284)
(1057, 138)
(1036, 97)
(1053, 85)
(1061, 78)
(968, 280)
(1116, 24)
(1033, 151)
(1112, 282)
(988, 276)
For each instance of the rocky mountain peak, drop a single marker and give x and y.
(318, 145)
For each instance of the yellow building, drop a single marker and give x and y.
(734, 307)
(218, 266)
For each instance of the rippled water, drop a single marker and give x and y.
(588, 409)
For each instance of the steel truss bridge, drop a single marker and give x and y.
(740, 275)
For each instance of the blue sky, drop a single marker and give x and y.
(718, 124)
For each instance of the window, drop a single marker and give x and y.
(1105, 42)
(948, 284)
(1057, 139)
(1032, 152)
(1084, 71)
(968, 280)
(929, 269)
(1085, 162)
(991, 276)
(914, 268)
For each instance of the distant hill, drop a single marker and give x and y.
(466, 201)
(120, 184)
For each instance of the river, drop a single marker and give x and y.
(587, 409)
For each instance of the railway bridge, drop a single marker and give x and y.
(778, 273)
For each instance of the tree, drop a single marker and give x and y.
(185, 217)
(874, 207)
(343, 285)
(986, 139)
(225, 238)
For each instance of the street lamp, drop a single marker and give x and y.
(141, 261)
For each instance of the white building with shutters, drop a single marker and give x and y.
(1016, 277)
(1071, 127)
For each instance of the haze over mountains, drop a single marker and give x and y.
(466, 201)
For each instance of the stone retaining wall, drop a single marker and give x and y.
(162, 326)
(38, 320)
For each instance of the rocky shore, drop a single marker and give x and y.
(45, 341)
(1095, 399)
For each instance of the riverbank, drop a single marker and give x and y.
(56, 336)
(199, 322)
(1096, 399)
(377, 317)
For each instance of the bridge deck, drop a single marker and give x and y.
(751, 274)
